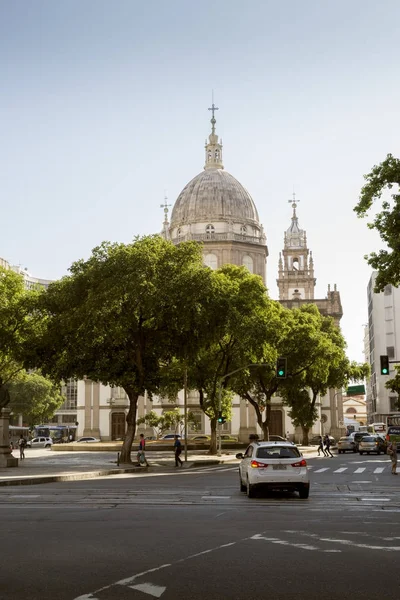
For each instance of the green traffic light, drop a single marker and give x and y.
(384, 371)
(280, 373)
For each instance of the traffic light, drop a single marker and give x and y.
(221, 418)
(384, 365)
(281, 368)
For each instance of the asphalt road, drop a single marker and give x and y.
(192, 534)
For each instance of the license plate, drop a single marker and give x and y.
(279, 467)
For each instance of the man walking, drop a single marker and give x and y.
(392, 451)
(141, 455)
(22, 445)
(321, 447)
(328, 446)
(178, 451)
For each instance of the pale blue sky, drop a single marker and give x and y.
(104, 105)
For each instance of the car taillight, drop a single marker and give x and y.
(302, 463)
(256, 465)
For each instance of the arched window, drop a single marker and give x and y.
(210, 230)
(179, 232)
(295, 264)
(351, 410)
(211, 260)
(243, 230)
(248, 263)
(217, 155)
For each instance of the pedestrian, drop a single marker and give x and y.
(178, 451)
(321, 447)
(22, 445)
(392, 451)
(327, 443)
(141, 455)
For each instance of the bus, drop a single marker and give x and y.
(14, 433)
(59, 433)
(379, 427)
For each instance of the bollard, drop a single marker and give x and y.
(117, 459)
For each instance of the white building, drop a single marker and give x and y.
(383, 339)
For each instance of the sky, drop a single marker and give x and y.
(104, 111)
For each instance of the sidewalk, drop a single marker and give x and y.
(45, 466)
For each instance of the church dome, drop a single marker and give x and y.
(214, 195)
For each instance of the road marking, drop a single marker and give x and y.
(149, 588)
(340, 470)
(215, 497)
(322, 470)
(375, 499)
(360, 470)
(379, 470)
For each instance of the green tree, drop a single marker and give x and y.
(170, 419)
(18, 321)
(236, 310)
(384, 177)
(35, 397)
(121, 317)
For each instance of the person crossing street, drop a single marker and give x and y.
(178, 451)
(327, 443)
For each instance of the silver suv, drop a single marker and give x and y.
(276, 465)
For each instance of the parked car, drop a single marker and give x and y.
(276, 465)
(346, 444)
(225, 437)
(88, 439)
(170, 436)
(372, 443)
(40, 442)
(200, 438)
(314, 441)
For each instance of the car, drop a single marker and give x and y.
(88, 439)
(314, 441)
(274, 465)
(225, 437)
(346, 444)
(170, 436)
(357, 436)
(200, 438)
(40, 442)
(372, 443)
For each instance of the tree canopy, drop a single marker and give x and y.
(35, 397)
(18, 321)
(122, 315)
(384, 177)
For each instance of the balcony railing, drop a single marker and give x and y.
(220, 237)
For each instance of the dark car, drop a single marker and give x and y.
(357, 436)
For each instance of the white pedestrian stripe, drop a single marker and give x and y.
(379, 470)
(360, 470)
(341, 470)
(322, 470)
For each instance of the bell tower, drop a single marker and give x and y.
(296, 266)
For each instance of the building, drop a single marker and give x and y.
(383, 339)
(216, 210)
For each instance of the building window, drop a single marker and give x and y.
(248, 263)
(210, 260)
(351, 410)
(210, 231)
(388, 290)
(243, 230)
(390, 351)
(196, 421)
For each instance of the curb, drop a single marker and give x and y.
(36, 479)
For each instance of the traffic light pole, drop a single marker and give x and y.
(221, 379)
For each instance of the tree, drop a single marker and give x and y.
(170, 419)
(18, 321)
(122, 315)
(35, 397)
(238, 306)
(383, 177)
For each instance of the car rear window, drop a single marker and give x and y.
(394, 431)
(278, 452)
(369, 438)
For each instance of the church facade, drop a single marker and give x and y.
(215, 210)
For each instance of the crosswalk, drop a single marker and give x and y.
(352, 470)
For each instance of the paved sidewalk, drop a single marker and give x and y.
(45, 466)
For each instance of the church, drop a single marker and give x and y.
(215, 210)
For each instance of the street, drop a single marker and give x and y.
(193, 534)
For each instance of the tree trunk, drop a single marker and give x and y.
(305, 435)
(213, 443)
(125, 457)
(265, 424)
